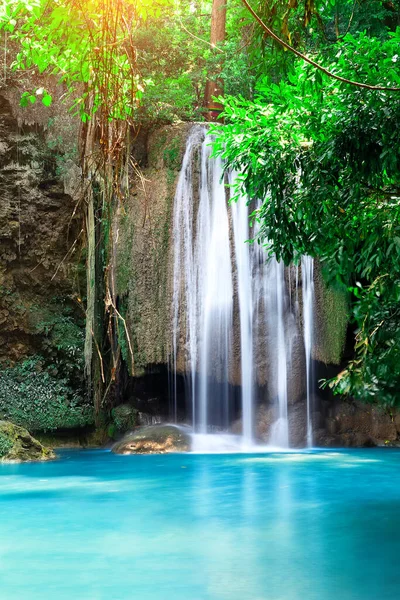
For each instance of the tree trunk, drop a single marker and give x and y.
(215, 88)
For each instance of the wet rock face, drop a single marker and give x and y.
(157, 439)
(265, 418)
(369, 420)
(36, 232)
(358, 424)
(17, 445)
(340, 424)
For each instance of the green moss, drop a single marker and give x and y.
(172, 154)
(16, 444)
(5, 444)
(124, 268)
(123, 342)
(124, 418)
(156, 148)
(337, 316)
(171, 177)
(332, 315)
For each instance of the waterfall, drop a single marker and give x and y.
(183, 232)
(307, 274)
(215, 292)
(240, 220)
(276, 318)
(202, 284)
(233, 315)
(273, 295)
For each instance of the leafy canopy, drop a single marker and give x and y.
(325, 159)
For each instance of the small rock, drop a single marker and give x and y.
(156, 439)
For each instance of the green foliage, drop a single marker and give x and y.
(374, 373)
(142, 61)
(32, 397)
(60, 328)
(83, 44)
(124, 418)
(322, 156)
(28, 98)
(172, 154)
(5, 445)
(62, 336)
(325, 159)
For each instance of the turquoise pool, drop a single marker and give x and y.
(290, 526)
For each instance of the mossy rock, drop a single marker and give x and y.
(124, 417)
(154, 439)
(17, 445)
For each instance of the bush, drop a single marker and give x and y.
(30, 396)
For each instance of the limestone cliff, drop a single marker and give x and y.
(41, 335)
(143, 265)
(144, 268)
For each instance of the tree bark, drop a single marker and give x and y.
(215, 88)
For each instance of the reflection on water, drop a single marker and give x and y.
(291, 526)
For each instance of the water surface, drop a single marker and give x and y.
(290, 526)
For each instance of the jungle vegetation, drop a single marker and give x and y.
(311, 111)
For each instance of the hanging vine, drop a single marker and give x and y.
(89, 46)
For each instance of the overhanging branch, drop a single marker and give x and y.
(312, 62)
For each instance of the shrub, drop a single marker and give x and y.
(30, 396)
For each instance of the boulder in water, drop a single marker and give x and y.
(155, 439)
(17, 445)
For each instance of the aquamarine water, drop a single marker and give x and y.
(292, 526)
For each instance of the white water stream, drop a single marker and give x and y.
(230, 305)
(307, 269)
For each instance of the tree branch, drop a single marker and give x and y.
(312, 62)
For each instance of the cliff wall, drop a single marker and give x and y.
(144, 267)
(41, 274)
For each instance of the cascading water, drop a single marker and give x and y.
(240, 221)
(307, 271)
(215, 271)
(184, 262)
(276, 313)
(202, 284)
(215, 291)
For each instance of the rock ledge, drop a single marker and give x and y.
(17, 445)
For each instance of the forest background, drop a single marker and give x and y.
(317, 143)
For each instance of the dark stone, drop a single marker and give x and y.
(297, 418)
(382, 426)
(37, 227)
(331, 426)
(364, 422)
(266, 416)
(347, 440)
(144, 419)
(357, 439)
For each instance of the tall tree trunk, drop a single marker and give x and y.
(215, 88)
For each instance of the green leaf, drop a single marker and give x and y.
(47, 99)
